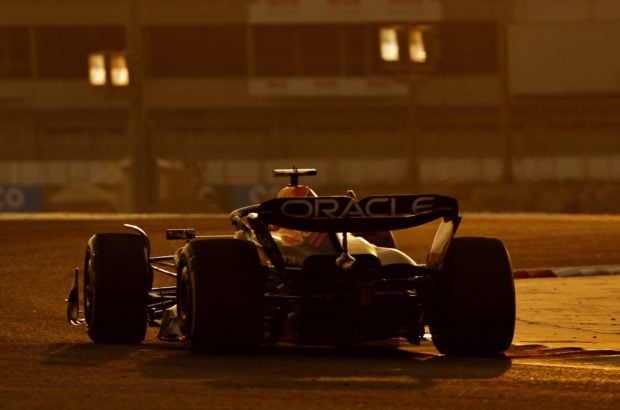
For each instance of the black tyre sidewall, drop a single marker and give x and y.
(118, 272)
(227, 288)
(473, 304)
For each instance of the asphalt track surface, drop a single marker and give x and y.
(565, 352)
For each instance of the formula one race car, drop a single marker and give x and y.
(308, 270)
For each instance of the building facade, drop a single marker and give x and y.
(220, 92)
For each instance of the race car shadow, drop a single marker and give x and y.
(90, 354)
(363, 366)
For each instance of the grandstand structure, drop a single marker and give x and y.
(189, 104)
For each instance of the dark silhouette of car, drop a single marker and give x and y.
(308, 270)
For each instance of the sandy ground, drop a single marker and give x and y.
(579, 312)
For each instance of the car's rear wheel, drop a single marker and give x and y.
(473, 305)
(116, 283)
(220, 296)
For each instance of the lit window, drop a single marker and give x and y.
(388, 37)
(119, 73)
(96, 69)
(417, 48)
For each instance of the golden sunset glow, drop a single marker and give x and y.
(119, 72)
(96, 69)
(417, 48)
(388, 37)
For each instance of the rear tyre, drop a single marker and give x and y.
(473, 306)
(116, 283)
(220, 296)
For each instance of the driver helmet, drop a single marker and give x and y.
(296, 191)
(293, 237)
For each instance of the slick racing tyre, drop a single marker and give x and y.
(116, 283)
(473, 305)
(220, 288)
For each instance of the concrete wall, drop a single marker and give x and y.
(564, 47)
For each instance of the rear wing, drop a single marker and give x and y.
(346, 214)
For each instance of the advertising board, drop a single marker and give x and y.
(20, 198)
